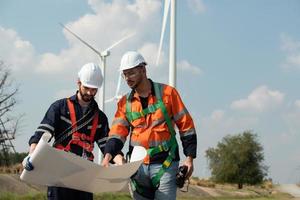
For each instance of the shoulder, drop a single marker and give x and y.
(166, 89)
(59, 103)
(124, 98)
(102, 115)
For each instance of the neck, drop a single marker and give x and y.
(81, 101)
(144, 88)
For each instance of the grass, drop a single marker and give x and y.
(223, 192)
(29, 196)
(126, 196)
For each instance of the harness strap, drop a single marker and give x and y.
(81, 139)
(131, 116)
(72, 112)
(170, 145)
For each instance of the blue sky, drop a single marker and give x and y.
(238, 64)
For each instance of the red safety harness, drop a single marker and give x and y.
(80, 139)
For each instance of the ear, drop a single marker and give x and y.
(78, 83)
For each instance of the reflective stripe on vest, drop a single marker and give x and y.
(84, 141)
(167, 146)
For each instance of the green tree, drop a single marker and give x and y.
(237, 159)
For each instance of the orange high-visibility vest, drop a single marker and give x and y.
(151, 130)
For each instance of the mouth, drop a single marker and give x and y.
(87, 97)
(130, 82)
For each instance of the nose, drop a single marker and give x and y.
(91, 91)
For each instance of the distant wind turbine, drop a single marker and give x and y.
(172, 52)
(102, 55)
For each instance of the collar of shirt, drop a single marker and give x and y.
(135, 95)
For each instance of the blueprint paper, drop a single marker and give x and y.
(53, 167)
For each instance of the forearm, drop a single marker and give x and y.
(189, 144)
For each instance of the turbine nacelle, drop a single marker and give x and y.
(103, 55)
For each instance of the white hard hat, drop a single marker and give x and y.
(90, 75)
(131, 59)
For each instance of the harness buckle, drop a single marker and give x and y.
(165, 146)
(166, 164)
(75, 136)
(151, 108)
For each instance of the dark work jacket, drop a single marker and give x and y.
(57, 121)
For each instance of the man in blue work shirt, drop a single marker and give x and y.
(75, 123)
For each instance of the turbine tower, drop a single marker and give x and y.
(172, 50)
(102, 55)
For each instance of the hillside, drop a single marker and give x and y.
(11, 183)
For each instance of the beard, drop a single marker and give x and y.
(85, 97)
(134, 84)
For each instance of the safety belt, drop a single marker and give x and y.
(166, 146)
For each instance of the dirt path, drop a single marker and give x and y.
(12, 183)
(291, 189)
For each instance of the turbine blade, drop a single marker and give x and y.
(81, 40)
(121, 40)
(166, 11)
(110, 100)
(117, 96)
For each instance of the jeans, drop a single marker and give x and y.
(167, 188)
(60, 193)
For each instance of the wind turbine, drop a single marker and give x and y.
(172, 50)
(117, 94)
(102, 55)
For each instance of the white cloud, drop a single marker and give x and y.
(291, 47)
(149, 51)
(197, 6)
(110, 22)
(297, 103)
(66, 60)
(184, 65)
(293, 61)
(291, 120)
(288, 43)
(64, 93)
(15, 52)
(156, 72)
(217, 115)
(260, 99)
(219, 124)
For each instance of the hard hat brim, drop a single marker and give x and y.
(90, 86)
(130, 67)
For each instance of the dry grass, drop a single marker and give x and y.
(199, 189)
(14, 169)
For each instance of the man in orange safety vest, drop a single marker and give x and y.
(148, 114)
